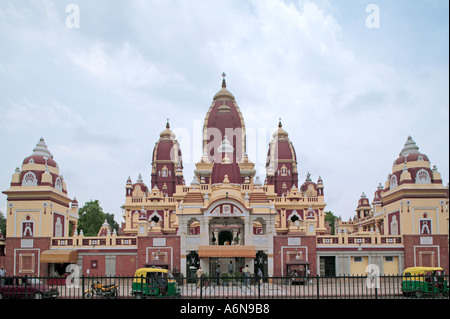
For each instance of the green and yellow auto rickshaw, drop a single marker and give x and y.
(421, 281)
(154, 282)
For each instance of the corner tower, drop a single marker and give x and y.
(167, 163)
(281, 163)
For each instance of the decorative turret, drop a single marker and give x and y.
(363, 209)
(167, 163)
(281, 163)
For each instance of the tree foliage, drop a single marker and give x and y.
(2, 224)
(330, 218)
(91, 218)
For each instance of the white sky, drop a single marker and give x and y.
(348, 95)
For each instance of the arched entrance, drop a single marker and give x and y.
(192, 264)
(225, 237)
(261, 263)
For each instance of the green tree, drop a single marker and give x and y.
(330, 218)
(112, 223)
(2, 224)
(91, 218)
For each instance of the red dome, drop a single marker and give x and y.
(223, 119)
(41, 155)
(39, 159)
(411, 158)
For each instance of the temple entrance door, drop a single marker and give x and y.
(261, 262)
(328, 266)
(192, 264)
(225, 236)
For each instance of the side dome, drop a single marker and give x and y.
(281, 162)
(41, 155)
(167, 163)
(410, 153)
(363, 202)
(167, 147)
(39, 169)
(411, 167)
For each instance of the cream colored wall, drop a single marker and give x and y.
(42, 217)
(358, 268)
(410, 216)
(390, 267)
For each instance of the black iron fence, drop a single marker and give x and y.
(122, 287)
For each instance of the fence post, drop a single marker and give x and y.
(26, 286)
(201, 287)
(142, 286)
(259, 287)
(82, 286)
(318, 295)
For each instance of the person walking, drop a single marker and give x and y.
(199, 275)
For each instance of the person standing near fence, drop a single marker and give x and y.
(199, 275)
(2, 274)
(218, 274)
(246, 272)
(260, 276)
(230, 268)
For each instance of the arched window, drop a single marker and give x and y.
(58, 184)
(393, 182)
(29, 179)
(423, 177)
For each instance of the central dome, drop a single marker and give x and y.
(223, 119)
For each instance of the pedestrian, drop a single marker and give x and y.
(260, 276)
(2, 274)
(218, 274)
(230, 268)
(199, 275)
(246, 273)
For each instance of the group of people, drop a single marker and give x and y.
(245, 273)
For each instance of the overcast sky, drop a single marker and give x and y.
(349, 80)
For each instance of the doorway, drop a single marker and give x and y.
(328, 266)
(225, 237)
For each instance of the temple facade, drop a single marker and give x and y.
(227, 215)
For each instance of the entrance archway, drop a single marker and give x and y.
(225, 236)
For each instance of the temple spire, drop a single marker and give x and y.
(224, 84)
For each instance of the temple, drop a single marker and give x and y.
(227, 214)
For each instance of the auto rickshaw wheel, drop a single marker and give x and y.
(38, 295)
(137, 295)
(419, 293)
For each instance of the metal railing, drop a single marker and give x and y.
(225, 287)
